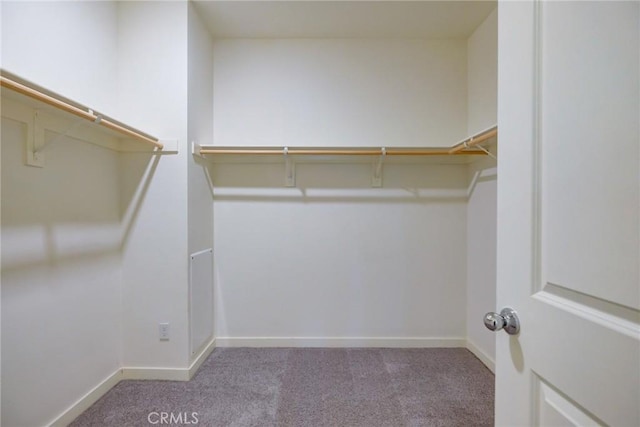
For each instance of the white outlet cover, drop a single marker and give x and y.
(163, 331)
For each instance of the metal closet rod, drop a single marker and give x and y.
(77, 111)
(336, 151)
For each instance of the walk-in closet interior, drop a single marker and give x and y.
(179, 176)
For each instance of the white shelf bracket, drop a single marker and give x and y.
(289, 169)
(376, 179)
(489, 153)
(43, 145)
(35, 142)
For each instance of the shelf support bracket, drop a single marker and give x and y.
(487, 152)
(36, 139)
(289, 169)
(376, 179)
(35, 142)
(41, 146)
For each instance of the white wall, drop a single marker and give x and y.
(332, 92)
(61, 268)
(334, 258)
(200, 130)
(67, 47)
(1, 65)
(96, 242)
(482, 75)
(152, 77)
(481, 258)
(60, 277)
(481, 210)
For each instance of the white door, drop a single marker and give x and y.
(569, 213)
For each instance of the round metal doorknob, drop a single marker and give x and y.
(507, 319)
(494, 321)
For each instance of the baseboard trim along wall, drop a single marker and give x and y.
(167, 374)
(171, 374)
(87, 400)
(484, 358)
(400, 342)
(197, 362)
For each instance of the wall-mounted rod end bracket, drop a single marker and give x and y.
(195, 149)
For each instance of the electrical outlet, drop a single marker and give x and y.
(163, 329)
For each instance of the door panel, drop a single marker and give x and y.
(589, 127)
(555, 409)
(589, 358)
(569, 213)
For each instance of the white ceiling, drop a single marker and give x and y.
(343, 19)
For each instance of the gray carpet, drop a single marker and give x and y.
(312, 387)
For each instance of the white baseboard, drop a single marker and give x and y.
(87, 400)
(195, 365)
(175, 374)
(484, 358)
(143, 373)
(169, 374)
(398, 342)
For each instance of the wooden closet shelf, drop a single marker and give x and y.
(463, 148)
(296, 151)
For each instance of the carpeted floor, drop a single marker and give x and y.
(311, 387)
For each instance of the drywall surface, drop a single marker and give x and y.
(481, 255)
(67, 47)
(482, 75)
(152, 77)
(61, 268)
(334, 258)
(482, 51)
(337, 92)
(200, 130)
(0, 250)
(61, 274)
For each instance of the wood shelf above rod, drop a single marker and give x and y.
(291, 155)
(463, 148)
(16, 84)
